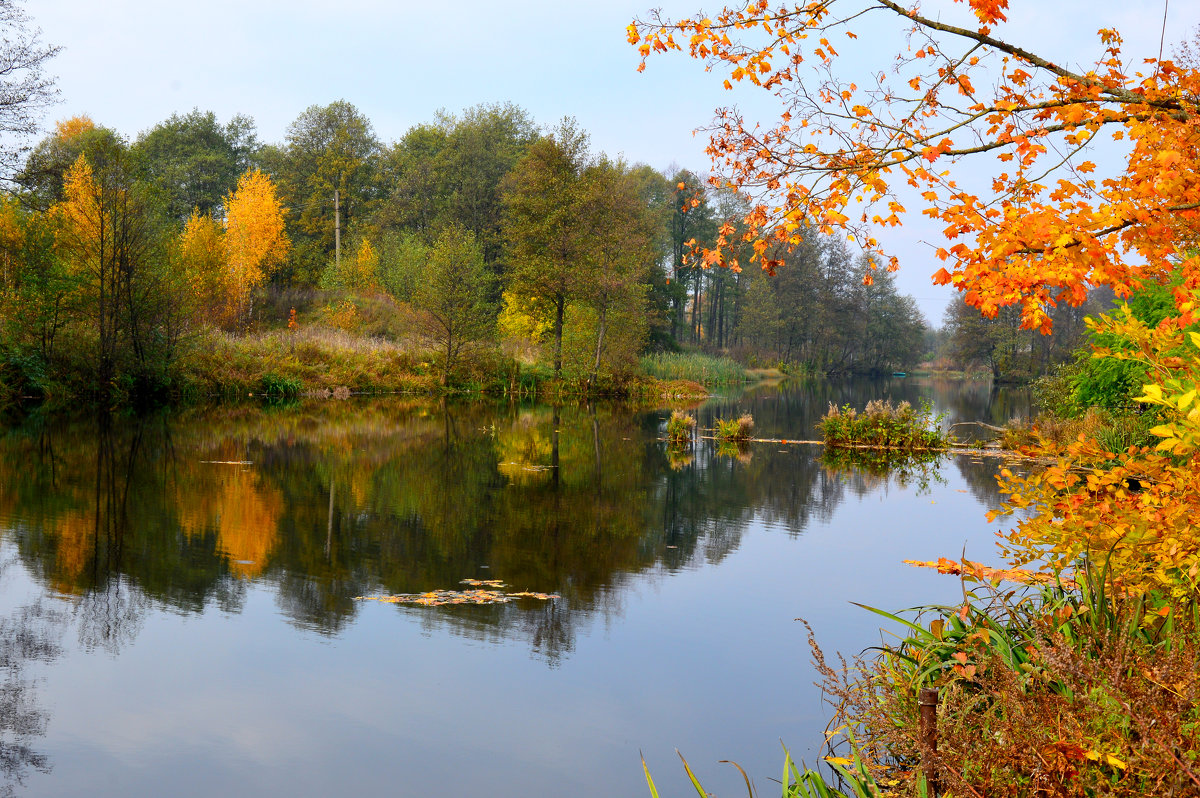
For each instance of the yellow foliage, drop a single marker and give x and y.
(523, 317)
(202, 258)
(361, 272)
(1131, 512)
(12, 238)
(80, 212)
(244, 511)
(344, 315)
(255, 241)
(68, 129)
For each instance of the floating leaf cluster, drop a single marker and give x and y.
(481, 591)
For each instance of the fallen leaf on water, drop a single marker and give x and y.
(477, 595)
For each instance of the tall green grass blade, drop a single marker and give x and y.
(649, 781)
(695, 781)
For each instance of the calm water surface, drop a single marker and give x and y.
(179, 612)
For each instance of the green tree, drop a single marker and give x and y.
(998, 343)
(451, 172)
(453, 296)
(617, 230)
(329, 149)
(656, 193)
(196, 161)
(542, 225)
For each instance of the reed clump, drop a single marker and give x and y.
(882, 425)
(694, 367)
(680, 427)
(735, 429)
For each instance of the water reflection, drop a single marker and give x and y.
(29, 634)
(232, 518)
(331, 501)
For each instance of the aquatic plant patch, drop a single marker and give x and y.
(883, 425)
(480, 591)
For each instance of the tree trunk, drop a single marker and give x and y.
(603, 326)
(559, 308)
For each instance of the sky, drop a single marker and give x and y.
(130, 64)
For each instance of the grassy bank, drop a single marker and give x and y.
(316, 359)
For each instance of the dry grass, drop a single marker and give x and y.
(1051, 696)
(319, 357)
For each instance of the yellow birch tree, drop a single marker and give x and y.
(255, 241)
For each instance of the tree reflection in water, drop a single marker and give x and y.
(324, 502)
(29, 634)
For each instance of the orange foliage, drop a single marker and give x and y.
(245, 514)
(1046, 226)
(68, 129)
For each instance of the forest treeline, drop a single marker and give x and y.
(477, 245)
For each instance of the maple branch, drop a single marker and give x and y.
(1122, 95)
(1116, 228)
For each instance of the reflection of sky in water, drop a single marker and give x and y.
(238, 682)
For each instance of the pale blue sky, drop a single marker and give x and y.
(132, 63)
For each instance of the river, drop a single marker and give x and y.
(182, 596)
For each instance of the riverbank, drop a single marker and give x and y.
(315, 361)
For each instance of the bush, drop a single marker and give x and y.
(1055, 689)
(882, 425)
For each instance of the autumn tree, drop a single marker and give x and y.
(1043, 227)
(111, 236)
(542, 226)
(255, 241)
(201, 256)
(453, 296)
(1050, 218)
(37, 291)
(43, 173)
